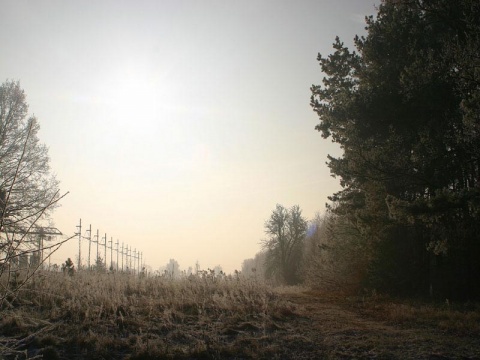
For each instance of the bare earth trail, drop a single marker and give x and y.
(328, 330)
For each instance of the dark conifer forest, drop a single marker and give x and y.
(404, 107)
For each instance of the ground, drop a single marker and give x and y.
(337, 329)
(126, 318)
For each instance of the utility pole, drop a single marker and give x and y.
(122, 256)
(79, 245)
(89, 244)
(98, 240)
(134, 260)
(117, 254)
(130, 255)
(111, 250)
(138, 262)
(105, 252)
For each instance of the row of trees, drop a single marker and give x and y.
(172, 270)
(324, 252)
(405, 109)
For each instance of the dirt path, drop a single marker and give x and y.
(333, 331)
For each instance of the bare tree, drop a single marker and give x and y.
(286, 229)
(26, 185)
(28, 193)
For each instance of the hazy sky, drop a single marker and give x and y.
(177, 126)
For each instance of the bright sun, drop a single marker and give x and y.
(129, 87)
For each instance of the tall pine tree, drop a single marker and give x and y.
(405, 110)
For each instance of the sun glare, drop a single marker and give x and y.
(129, 87)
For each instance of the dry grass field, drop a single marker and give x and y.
(117, 316)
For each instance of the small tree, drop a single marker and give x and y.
(286, 230)
(68, 267)
(100, 265)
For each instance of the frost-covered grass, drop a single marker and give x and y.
(116, 315)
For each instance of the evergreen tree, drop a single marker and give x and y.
(404, 109)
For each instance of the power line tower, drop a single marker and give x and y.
(42, 232)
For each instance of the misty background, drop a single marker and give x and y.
(177, 126)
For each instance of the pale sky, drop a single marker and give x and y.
(177, 126)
